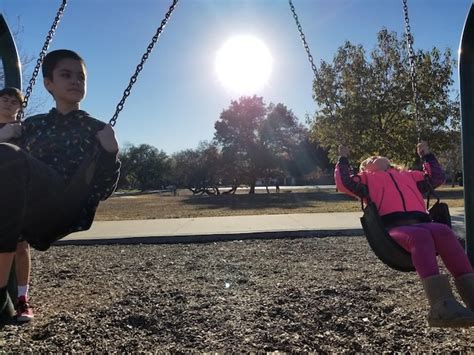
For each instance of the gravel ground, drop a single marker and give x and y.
(324, 295)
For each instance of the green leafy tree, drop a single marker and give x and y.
(144, 167)
(127, 178)
(198, 169)
(451, 159)
(237, 133)
(366, 103)
(184, 165)
(308, 163)
(256, 139)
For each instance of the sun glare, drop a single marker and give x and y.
(244, 64)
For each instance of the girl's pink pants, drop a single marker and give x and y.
(424, 240)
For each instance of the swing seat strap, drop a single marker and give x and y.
(439, 212)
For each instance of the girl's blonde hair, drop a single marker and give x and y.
(366, 161)
(392, 165)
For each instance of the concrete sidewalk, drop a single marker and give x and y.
(208, 229)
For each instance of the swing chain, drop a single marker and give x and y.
(412, 61)
(139, 67)
(303, 38)
(42, 54)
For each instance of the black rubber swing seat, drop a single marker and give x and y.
(67, 208)
(381, 243)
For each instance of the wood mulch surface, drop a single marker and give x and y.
(328, 295)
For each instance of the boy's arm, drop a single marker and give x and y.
(108, 166)
(106, 174)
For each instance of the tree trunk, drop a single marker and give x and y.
(252, 188)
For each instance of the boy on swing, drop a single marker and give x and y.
(11, 100)
(35, 173)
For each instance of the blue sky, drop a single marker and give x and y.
(177, 97)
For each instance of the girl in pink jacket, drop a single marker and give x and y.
(398, 196)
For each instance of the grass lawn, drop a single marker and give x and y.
(155, 205)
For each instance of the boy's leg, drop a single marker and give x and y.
(6, 306)
(6, 261)
(13, 182)
(31, 189)
(27, 187)
(23, 266)
(24, 311)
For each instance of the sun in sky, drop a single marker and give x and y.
(243, 64)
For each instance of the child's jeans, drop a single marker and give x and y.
(29, 191)
(424, 240)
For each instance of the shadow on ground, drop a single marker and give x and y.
(287, 201)
(446, 194)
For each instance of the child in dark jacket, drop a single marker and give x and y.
(11, 100)
(36, 173)
(397, 194)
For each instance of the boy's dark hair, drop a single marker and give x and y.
(52, 59)
(14, 92)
